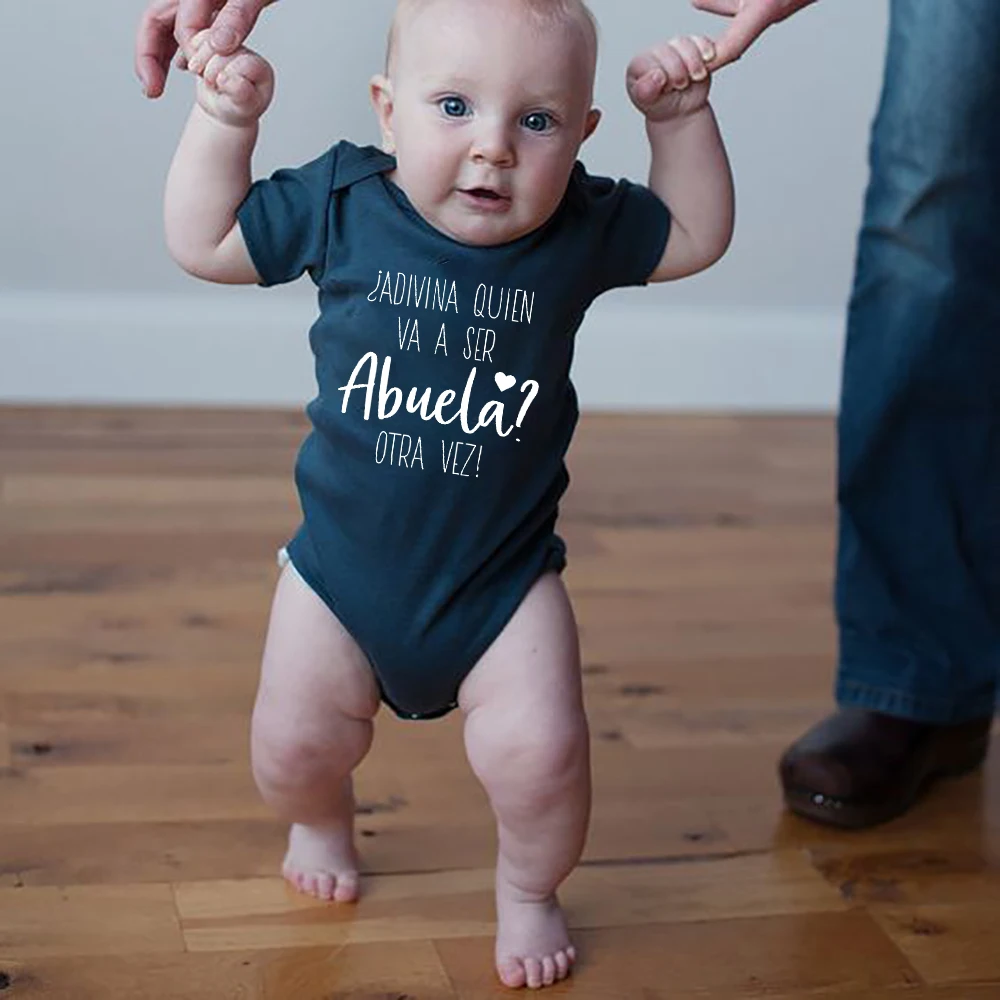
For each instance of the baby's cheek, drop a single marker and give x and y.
(546, 188)
(433, 176)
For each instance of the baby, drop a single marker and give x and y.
(454, 267)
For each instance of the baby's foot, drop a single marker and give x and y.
(322, 862)
(533, 947)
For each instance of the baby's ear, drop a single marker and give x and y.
(380, 89)
(593, 120)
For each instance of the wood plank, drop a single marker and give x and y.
(149, 793)
(105, 794)
(673, 773)
(813, 954)
(150, 976)
(947, 943)
(88, 920)
(913, 875)
(390, 842)
(184, 740)
(101, 687)
(56, 562)
(107, 853)
(56, 491)
(705, 636)
(265, 913)
(736, 679)
(163, 504)
(650, 724)
(357, 971)
(276, 518)
(117, 605)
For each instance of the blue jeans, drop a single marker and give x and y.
(918, 562)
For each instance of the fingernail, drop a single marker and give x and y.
(224, 37)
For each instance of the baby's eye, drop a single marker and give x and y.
(537, 121)
(454, 107)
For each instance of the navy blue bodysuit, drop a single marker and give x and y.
(431, 479)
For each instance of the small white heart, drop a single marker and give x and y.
(504, 382)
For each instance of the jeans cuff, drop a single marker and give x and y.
(892, 701)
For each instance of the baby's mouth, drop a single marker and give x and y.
(486, 194)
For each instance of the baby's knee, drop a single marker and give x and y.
(287, 758)
(535, 762)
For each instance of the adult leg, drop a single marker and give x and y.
(528, 743)
(919, 433)
(312, 725)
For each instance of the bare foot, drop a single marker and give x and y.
(533, 947)
(322, 862)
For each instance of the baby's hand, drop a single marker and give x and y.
(236, 89)
(671, 80)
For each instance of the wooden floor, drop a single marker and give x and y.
(137, 861)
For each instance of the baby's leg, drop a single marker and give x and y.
(527, 740)
(311, 727)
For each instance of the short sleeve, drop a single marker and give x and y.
(284, 220)
(630, 226)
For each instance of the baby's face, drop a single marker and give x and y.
(486, 109)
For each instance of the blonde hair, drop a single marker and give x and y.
(547, 12)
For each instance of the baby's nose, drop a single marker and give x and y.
(493, 145)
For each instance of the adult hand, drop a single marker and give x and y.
(750, 18)
(166, 22)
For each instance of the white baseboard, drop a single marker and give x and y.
(249, 349)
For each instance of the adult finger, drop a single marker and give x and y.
(234, 22)
(744, 29)
(194, 16)
(725, 7)
(155, 46)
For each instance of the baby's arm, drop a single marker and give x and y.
(210, 174)
(690, 170)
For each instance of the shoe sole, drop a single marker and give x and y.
(843, 814)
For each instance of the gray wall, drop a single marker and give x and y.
(84, 273)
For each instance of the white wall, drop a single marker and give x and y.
(92, 309)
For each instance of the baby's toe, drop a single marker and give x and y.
(533, 971)
(548, 970)
(562, 965)
(511, 973)
(347, 888)
(325, 885)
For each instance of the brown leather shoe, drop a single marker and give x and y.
(858, 768)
